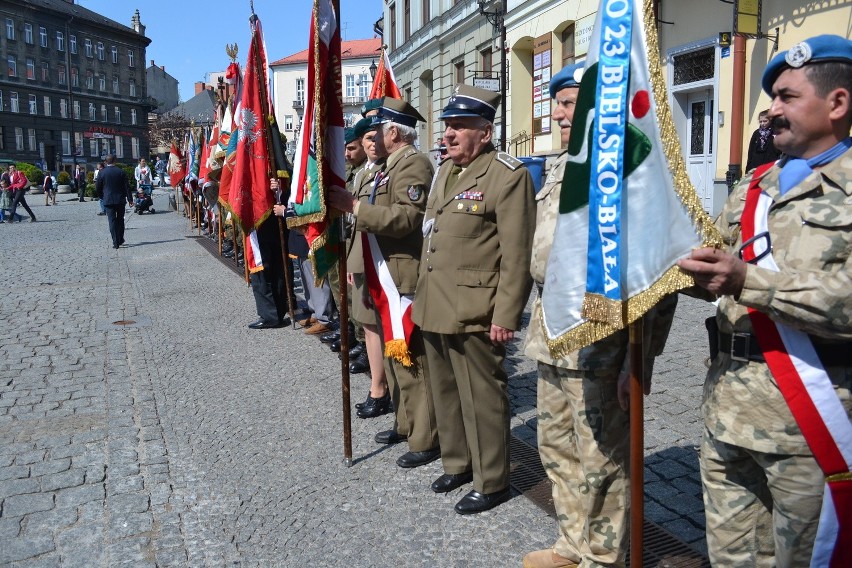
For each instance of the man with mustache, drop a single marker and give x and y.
(777, 443)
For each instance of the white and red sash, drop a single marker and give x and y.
(394, 309)
(809, 393)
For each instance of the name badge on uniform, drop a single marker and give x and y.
(472, 195)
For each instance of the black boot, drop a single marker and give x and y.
(375, 407)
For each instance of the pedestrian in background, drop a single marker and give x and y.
(19, 184)
(80, 181)
(114, 191)
(6, 200)
(49, 186)
(761, 148)
(98, 170)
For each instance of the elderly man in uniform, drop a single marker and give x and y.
(391, 208)
(777, 400)
(472, 290)
(583, 426)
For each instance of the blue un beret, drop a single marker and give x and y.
(569, 76)
(822, 48)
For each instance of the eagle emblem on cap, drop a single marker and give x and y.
(798, 55)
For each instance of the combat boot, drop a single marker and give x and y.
(547, 559)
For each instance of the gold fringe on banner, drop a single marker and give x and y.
(601, 309)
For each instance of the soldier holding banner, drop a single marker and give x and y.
(391, 211)
(473, 286)
(777, 447)
(583, 426)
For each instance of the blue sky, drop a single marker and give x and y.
(189, 36)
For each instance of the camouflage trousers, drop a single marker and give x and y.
(583, 441)
(762, 509)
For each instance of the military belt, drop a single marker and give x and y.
(744, 347)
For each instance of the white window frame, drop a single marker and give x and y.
(115, 85)
(93, 147)
(101, 50)
(132, 86)
(78, 143)
(72, 44)
(12, 66)
(114, 53)
(31, 73)
(63, 108)
(62, 74)
(66, 143)
(42, 36)
(119, 147)
(33, 104)
(130, 58)
(31, 139)
(89, 51)
(104, 114)
(10, 28)
(48, 106)
(133, 116)
(102, 82)
(117, 115)
(60, 41)
(350, 87)
(76, 110)
(14, 103)
(19, 139)
(93, 112)
(28, 34)
(75, 77)
(134, 147)
(288, 122)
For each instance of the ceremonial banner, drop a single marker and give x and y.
(193, 155)
(251, 199)
(177, 165)
(625, 186)
(204, 166)
(319, 161)
(384, 85)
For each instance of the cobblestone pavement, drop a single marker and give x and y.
(182, 438)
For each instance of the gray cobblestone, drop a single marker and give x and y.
(14, 472)
(20, 505)
(63, 480)
(49, 467)
(79, 495)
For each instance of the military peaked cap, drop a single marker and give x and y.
(398, 111)
(472, 101)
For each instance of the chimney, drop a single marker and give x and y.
(199, 86)
(163, 67)
(136, 23)
(152, 63)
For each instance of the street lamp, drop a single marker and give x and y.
(497, 18)
(373, 69)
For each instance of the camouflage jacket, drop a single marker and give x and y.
(608, 355)
(811, 243)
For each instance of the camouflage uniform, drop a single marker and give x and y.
(762, 487)
(583, 434)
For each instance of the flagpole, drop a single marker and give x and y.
(637, 444)
(344, 321)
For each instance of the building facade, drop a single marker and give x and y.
(162, 88)
(436, 44)
(73, 85)
(290, 76)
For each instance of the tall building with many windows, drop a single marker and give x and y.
(72, 84)
(359, 58)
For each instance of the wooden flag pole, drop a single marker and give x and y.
(637, 445)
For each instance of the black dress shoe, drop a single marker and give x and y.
(450, 481)
(335, 346)
(360, 364)
(356, 350)
(416, 459)
(375, 407)
(331, 337)
(389, 437)
(360, 405)
(476, 502)
(260, 324)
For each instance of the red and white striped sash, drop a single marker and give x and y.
(809, 393)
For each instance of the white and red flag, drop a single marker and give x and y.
(384, 85)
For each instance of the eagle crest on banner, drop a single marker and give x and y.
(174, 164)
(250, 127)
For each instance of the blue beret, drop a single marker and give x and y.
(822, 48)
(569, 76)
(472, 101)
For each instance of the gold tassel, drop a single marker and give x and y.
(398, 349)
(601, 309)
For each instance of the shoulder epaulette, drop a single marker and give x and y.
(509, 161)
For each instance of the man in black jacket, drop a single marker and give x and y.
(114, 190)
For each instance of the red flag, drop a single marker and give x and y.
(177, 165)
(204, 168)
(250, 197)
(384, 85)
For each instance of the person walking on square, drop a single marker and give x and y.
(114, 191)
(777, 446)
(49, 186)
(18, 184)
(474, 283)
(80, 181)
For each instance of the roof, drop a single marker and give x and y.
(69, 9)
(352, 49)
(199, 108)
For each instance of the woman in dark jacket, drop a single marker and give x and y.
(761, 148)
